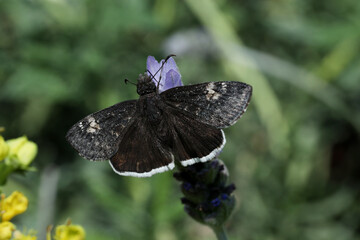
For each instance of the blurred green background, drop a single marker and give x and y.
(294, 156)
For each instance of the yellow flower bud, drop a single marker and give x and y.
(69, 232)
(6, 229)
(13, 205)
(22, 150)
(4, 149)
(27, 153)
(15, 144)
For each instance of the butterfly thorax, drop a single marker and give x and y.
(151, 107)
(145, 85)
(149, 102)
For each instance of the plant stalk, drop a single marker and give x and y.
(220, 233)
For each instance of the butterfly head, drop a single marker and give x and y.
(145, 85)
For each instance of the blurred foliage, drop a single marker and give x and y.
(294, 156)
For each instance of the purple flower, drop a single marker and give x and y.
(224, 196)
(215, 202)
(207, 196)
(169, 75)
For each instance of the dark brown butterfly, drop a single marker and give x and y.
(166, 124)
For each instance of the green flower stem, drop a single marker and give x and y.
(220, 233)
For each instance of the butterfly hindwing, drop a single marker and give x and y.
(147, 148)
(219, 104)
(194, 141)
(141, 152)
(97, 136)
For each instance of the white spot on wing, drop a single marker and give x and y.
(223, 87)
(210, 86)
(93, 125)
(210, 93)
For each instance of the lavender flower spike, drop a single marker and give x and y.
(208, 198)
(169, 76)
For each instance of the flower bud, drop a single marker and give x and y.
(207, 197)
(69, 232)
(6, 229)
(23, 150)
(4, 149)
(13, 205)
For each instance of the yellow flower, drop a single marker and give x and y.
(69, 232)
(19, 236)
(6, 229)
(23, 150)
(4, 149)
(13, 205)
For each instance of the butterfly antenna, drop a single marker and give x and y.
(151, 75)
(162, 65)
(128, 81)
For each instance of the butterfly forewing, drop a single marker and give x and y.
(97, 136)
(218, 104)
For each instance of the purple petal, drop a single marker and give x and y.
(169, 74)
(170, 64)
(216, 202)
(153, 66)
(172, 79)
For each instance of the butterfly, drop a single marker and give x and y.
(169, 122)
